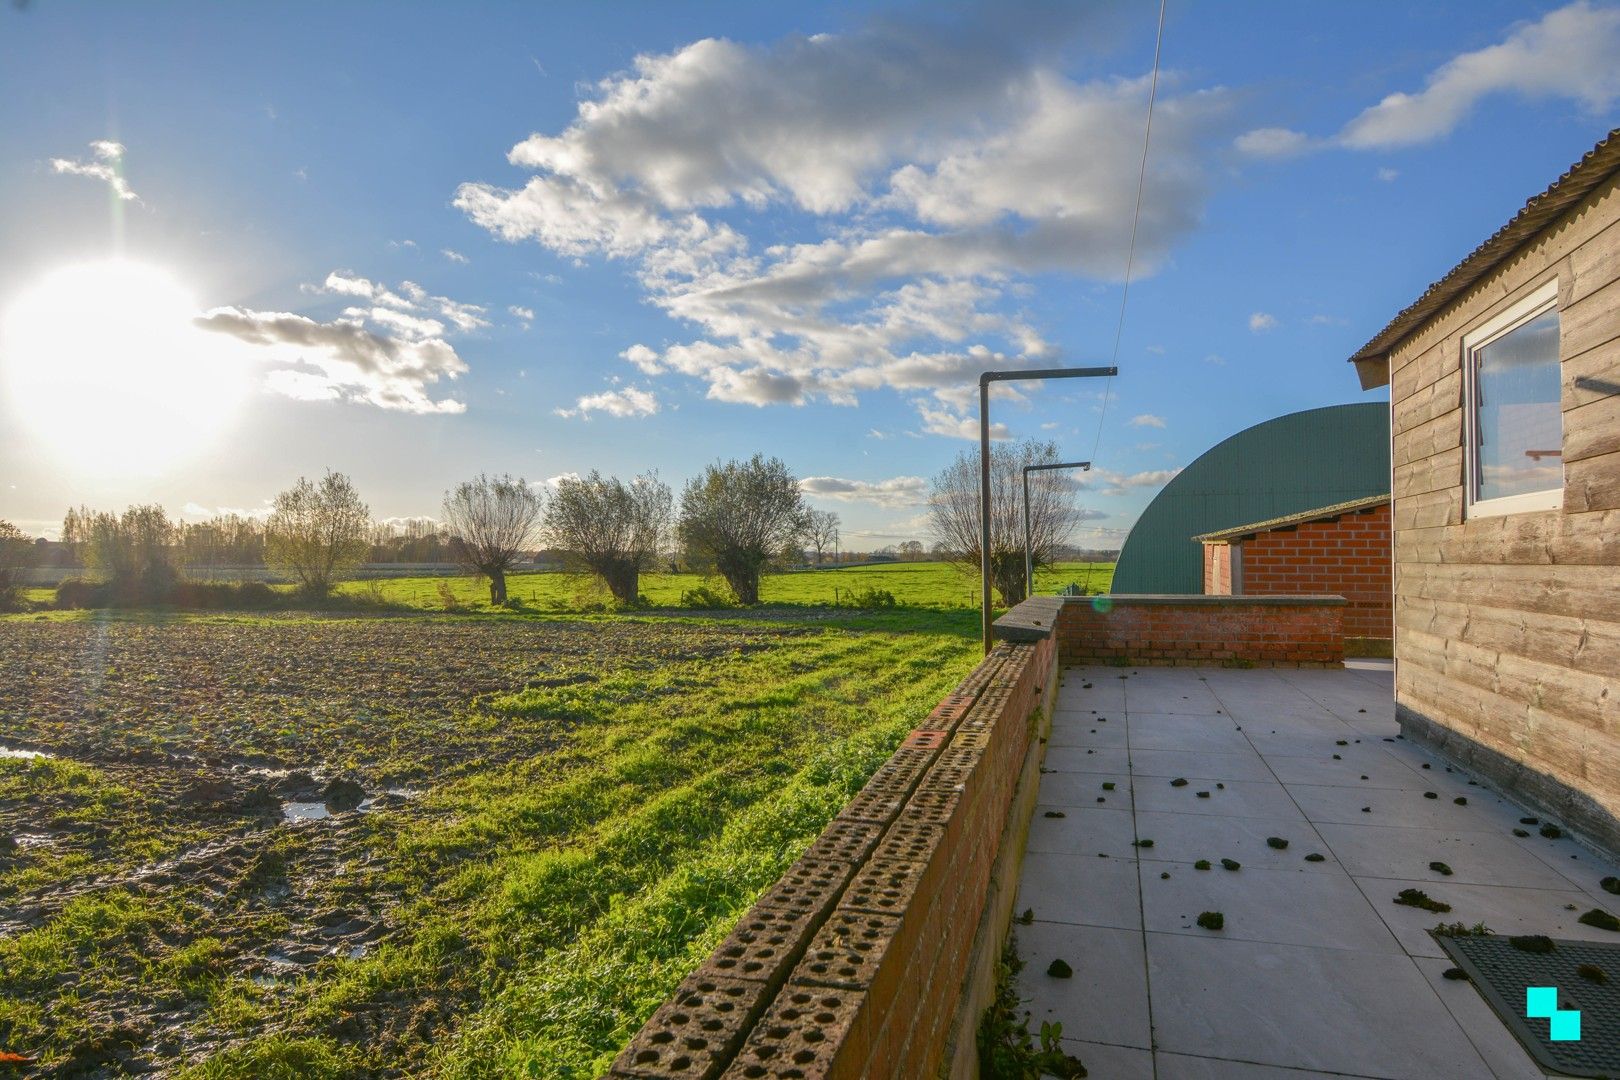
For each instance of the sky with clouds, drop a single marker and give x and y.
(544, 240)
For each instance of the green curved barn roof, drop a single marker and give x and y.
(1286, 465)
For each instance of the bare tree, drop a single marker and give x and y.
(16, 555)
(135, 552)
(736, 516)
(821, 531)
(611, 529)
(491, 520)
(317, 532)
(954, 510)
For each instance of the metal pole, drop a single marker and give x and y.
(985, 380)
(984, 510)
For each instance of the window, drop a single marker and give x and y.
(1515, 448)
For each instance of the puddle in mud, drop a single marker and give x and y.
(22, 755)
(304, 811)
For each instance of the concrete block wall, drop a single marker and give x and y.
(854, 964)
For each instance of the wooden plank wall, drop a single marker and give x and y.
(1508, 628)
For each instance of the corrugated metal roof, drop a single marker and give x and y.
(1286, 465)
(1303, 518)
(1601, 162)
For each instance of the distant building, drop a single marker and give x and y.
(1342, 549)
(1287, 465)
(1504, 385)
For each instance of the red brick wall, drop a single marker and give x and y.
(1279, 632)
(853, 964)
(1349, 557)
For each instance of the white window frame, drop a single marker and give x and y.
(1533, 306)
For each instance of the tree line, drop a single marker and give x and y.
(735, 520)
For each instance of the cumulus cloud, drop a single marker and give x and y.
(524, 313)
(454, 256)
(1567, 53)
(1115, 483)
(930, 169)
(106, 164)
(342, 360)
(1262, 321)
(893, 493)
(1273, 142)
(621, 403)
(1147, 420)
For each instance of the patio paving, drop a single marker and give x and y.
(1316, 972)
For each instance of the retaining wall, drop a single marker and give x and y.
(874, 955)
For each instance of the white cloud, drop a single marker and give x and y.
(1215, 358)
(342, 360)
(1273, 142)
(937, 168)
(1261, 321)
(1568, 53)
(942, 422)
(621, 403)
(1115, 483)
(106, 165)
(1326, 320)
(894, 493)
(1147, 420)
(455, 256)
(1387, 174)
(524, 313)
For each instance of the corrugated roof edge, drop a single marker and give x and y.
(1579, 181)
(1302, 518)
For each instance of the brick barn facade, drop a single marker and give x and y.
(1343, 549)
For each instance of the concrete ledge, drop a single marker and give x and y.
(1200, 600)
(1577, 812)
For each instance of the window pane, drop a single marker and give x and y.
(1520, 424)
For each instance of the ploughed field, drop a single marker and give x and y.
(456, 846)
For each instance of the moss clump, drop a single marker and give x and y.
(1231, 864)
(1532, 943)
(1026, 918)
(1440, 868)
(1521, 833)
(1108, 785)
(1201, 864)
(1142, 843)
(1203, 794)
(1454, 973)
(1592, 973)
(1342, 742)
(1460, 801)
(1419, 899)
(1211, 920)
(1458, 929)
(1276, 842)
(1059, 969)
(1054, 813)
(1220, 787)
(1431, 794)
(1316, 856)
(1611, 885)
(1179, 781)
(1551, 831)
(1601, 919)
(1529, 821)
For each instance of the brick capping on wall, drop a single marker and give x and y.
(875, 954)
(1194, 629)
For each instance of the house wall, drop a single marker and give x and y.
(1218, 569)
(1507, 629)
(1349, 556)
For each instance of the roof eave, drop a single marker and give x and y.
(1373, 371)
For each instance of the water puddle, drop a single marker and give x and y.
(304, 811)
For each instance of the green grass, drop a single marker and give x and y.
(920, 584)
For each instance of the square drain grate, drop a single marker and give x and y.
(1502, 972)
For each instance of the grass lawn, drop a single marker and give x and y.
(919, 584)
(564, 815)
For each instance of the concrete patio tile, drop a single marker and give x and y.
(1408, 806)
(1271, 742)
(1084, 789)
(1330, 1010)
(1080, 889)
(1183, 1067)
(1504, 1056)
(1162, 731)
(1479, 858)
(1105, 1001)
(1380, 769)
(1216, 766)
(1240, 798)
(1107, 1062)
(1288, 907)
(1587, 870)
(1108, 759)
(1190, 837)
(1083, 830)
(1086, 733)
(1506, 911)
(1191, 698)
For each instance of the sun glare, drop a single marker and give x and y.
(104, 365)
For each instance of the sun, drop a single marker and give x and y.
(106, 368)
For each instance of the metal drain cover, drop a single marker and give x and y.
(1501, 973)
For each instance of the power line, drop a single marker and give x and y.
(1136, 218)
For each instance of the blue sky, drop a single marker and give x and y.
(542, 239)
